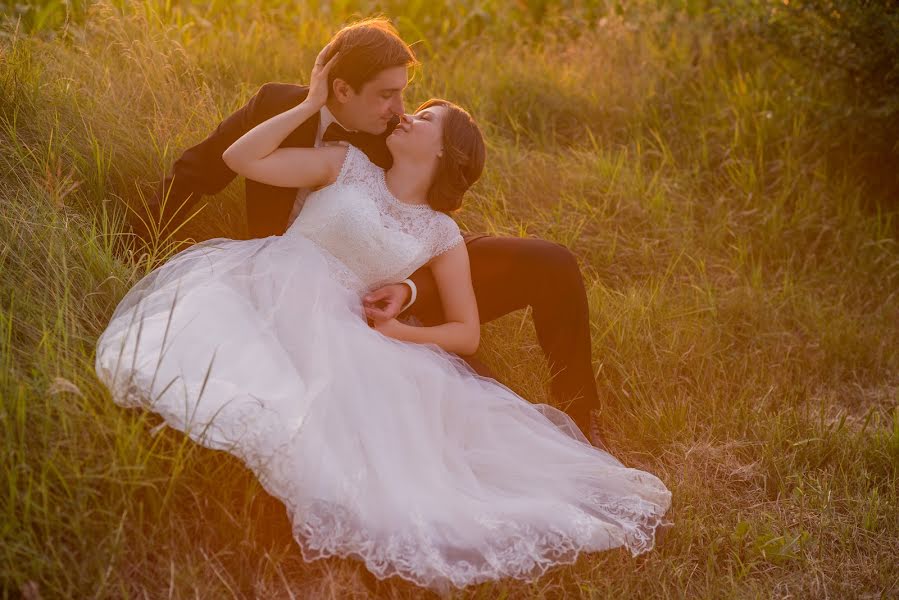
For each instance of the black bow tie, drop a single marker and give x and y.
(336, 133)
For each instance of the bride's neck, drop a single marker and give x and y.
(409, 181)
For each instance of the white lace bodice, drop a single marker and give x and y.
(373, 238)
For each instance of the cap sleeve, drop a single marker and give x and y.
(446, 234)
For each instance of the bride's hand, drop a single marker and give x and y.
(386, 302)
(388, 327)
(318, 81)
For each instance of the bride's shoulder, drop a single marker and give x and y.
(362, 158)
(353, 153)
(444, 223)
(442, 217)
(443, 234)
(355, 164)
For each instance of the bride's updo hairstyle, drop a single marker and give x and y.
(463, 157)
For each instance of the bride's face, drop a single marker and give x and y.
(419, 135)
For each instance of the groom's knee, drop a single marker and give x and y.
(557, 270)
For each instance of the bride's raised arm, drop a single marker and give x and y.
(256, 154)
(286, 167)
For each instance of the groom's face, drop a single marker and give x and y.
(376, 103)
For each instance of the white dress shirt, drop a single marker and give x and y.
(326, 117)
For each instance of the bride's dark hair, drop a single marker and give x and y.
(463, 157)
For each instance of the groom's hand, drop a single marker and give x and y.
(385, 303)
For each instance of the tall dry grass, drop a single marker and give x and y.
(742, 290)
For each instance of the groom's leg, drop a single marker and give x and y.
(512, 273)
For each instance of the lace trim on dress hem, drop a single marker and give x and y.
(519, 551)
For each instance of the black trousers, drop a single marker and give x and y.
(509, 274)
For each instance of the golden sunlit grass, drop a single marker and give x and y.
(743, 294)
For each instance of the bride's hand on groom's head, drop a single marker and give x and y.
(318, 80)
(386, 302)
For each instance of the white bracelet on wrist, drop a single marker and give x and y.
(412, 297)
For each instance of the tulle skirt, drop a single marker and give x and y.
(394, 453)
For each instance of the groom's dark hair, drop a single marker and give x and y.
(366, 48)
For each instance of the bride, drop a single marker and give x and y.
(381, 442)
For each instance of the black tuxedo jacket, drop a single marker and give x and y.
(201, 171)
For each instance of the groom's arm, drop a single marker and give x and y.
(428, 305)
(427, 297)
(200, 170)
(425, 303)
(460, 330)
(394, 300)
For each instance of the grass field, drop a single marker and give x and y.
(742, 283)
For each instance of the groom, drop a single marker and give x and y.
(366, 98)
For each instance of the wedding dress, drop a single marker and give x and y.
(394, 453)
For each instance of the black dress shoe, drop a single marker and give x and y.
(594, 432)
